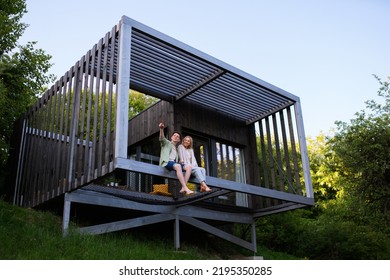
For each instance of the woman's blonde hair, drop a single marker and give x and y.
(190, 138)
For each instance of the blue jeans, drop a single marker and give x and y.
(199, 173)
(171, 163)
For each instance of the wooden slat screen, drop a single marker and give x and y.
(69, 133)
(280, 164)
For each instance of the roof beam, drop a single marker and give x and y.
(201, 83)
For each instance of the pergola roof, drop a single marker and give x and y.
(171, 70)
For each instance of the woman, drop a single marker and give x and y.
(187, 157)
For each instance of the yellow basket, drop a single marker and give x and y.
(161, 189)
(191, 186)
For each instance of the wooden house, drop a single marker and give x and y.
(78, 144)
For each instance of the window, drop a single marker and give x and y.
(229, 162)
(221, 160)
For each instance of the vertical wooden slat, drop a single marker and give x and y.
(32, 166)
(63, 133)
(67, 128)
(59, 154)
(226, 164)
(53, 129)
(54, 110)
(278, 153)
(37, 153)
(84, 91)
(95, 150)
(109, 149)
(39, 157)
(56, 130)
(264, 156)
(102, 139)
(270, 153)
(88, 153)
(221, 153)
(286, 152)
(49, 150)
(44, 186)
(294, 152)
(74, 124)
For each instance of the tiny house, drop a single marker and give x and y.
(78, 143)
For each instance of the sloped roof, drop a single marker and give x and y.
(171, 70)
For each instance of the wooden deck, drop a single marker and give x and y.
(194, 209)
(188, 209)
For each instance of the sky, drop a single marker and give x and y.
(323, 51)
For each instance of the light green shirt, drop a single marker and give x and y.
(167, 149)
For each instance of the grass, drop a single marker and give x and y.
(28, 234)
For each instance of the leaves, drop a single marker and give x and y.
(23, 71)
(139, 102)
(11, 12)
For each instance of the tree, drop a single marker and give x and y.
(11, 12)
(23, 72)
(139, 102)
(362, 158)
(324, 180)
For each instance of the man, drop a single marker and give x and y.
(169, 158)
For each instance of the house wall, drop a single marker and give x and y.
(146, 123)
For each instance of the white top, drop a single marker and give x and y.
(187, 156)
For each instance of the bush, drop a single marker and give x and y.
(329, 237)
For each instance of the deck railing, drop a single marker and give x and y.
(68, 136)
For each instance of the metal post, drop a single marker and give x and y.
(123, 88)
(177, 232)
(19, 170)
(253, 237)
(66, 214)
(303, 148)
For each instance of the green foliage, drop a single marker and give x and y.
(342, 236)
(361, 156)
(138, 102)
(23, 72)
(330, 236)
(11, 12)
(324, 181)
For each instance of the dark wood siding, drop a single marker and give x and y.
(146, 123)
(213, 123)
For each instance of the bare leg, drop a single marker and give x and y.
(188, 169)
(179, 174)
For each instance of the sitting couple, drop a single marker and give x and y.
(180, 157)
